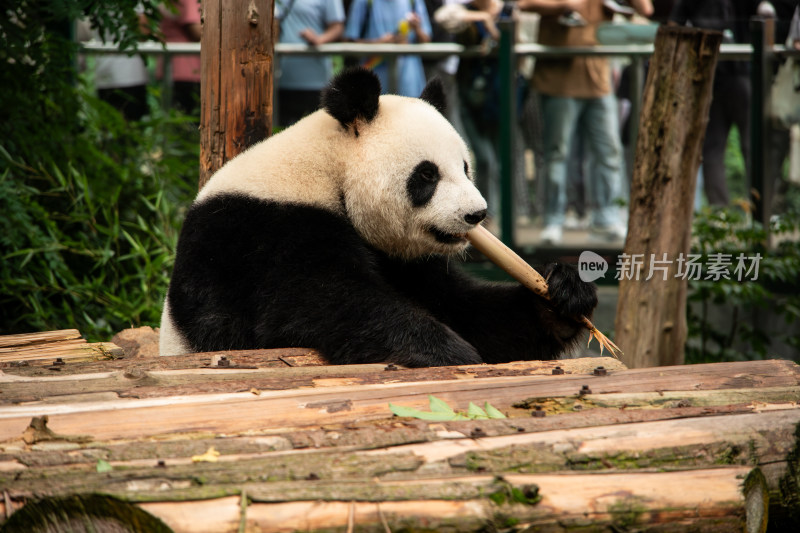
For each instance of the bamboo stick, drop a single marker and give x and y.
(504, 257)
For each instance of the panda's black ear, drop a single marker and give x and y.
(433, 93)
(352, 94)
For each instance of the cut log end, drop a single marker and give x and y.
(756, 502)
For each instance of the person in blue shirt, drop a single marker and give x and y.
(301, 78)
(392, 21)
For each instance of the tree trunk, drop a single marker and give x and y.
(236, 93)
(650, 321)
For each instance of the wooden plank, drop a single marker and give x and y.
(67, 351)
(45, 347)
(38, 338)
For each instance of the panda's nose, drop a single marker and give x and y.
(476, 217)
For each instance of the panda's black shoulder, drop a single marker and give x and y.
(243, 229)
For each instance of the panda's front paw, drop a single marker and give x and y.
(569, 295)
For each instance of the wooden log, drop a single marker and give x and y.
(38, 338)
(724, 499)
(701, 500)
(766, 438)
(370, 436)
(341, 462)
(135, 381)
(268, 358)
(236, 89)
(650, 322)
(228, 413)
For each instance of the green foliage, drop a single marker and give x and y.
(776, 288)
(91, 248)
(91, 204)
(441, 412)
(40, 120)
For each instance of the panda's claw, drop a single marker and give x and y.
(569, 295)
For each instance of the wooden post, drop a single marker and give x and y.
(236, 89)
(651, 321)
(762, 171)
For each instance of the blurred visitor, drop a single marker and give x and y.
(783, 136)
(475, 23)
(397, 22)
(444, 68)
(120, 79)
(302, 78)
(181, 24)
(730, 104)
(577, 93)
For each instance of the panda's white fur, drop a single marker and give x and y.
(313, 161)
(170, 341)
(334, 234)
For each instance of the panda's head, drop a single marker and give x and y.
(407, 185)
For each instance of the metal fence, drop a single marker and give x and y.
(760, 53)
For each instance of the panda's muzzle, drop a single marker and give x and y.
(448, 238)
(458, 238)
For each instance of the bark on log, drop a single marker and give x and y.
(650, 322)
(236, 89)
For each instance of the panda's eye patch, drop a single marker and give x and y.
(422, 183)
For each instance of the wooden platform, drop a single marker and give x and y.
(275, 440)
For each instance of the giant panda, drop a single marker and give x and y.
(339, 234)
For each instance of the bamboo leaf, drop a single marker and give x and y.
(492, 411)
(439, 406)
(473, 411)
(400, 410)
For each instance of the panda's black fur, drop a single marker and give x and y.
(262, 273)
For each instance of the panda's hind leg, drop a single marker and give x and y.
(170, 341)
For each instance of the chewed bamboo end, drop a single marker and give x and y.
(605, 342)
